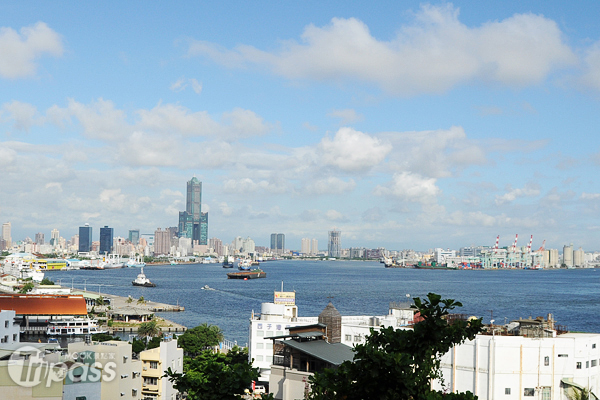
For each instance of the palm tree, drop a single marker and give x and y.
(141, 300)
(149, 329)
(579, 394)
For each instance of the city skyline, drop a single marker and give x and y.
(406, 125)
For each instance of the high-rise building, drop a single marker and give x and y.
(568, 255)
(6, 234)
(314, 247)
(193, 223)
(579, 258)
(334, 244)
(203, 228)
(216, 245)
(134, 236)
(162, 242)
(39, 238)
(85, 238)
(54, 237)
(305, 246)
(106, 240)
(277, 243)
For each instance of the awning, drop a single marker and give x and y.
(569, 382)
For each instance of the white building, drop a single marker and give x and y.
(9, 329)
(440, 255)
(276, 318)
(517, 367)
(121, 375)
(155, 363)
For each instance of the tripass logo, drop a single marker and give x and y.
(28, 367)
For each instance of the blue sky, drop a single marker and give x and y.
(402, 124)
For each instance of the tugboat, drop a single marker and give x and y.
(245, 275)
(141, 280)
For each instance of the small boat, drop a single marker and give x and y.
(136, 262)
(245, 264)
(141, 280)
(206, 287)
(252, 274)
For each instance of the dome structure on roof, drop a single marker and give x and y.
(332, 318)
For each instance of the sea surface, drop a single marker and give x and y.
(355, 288)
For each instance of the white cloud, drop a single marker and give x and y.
(353, 151)
(410, 187)
(225, 209)
(590, 196)
(591, 76)
(432, 55)
(24, 115)
(20, 51)
(333, 215)
(330, 185)
(530, 190)
(178, 85)
(346, 116)
(196, 86)
(248, 185)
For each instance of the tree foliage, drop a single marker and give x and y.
(28, 287)
(149, 329)
(200, 338)
(103, 337)
(215, 376)
(398, 363)
(46, 281)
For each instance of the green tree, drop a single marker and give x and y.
(138, 345)
(129, 299)
(46, 281)
(215, 376)
(200, 338)
(397, 363)
(103, 337)
(141, 300)
(579, 394)
(149, 329)
(28, 287)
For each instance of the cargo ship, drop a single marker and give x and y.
(433, 265)
(252, 274)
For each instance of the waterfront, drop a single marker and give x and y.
(357, 288)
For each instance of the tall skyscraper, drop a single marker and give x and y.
(334, 244)
(568, 255)
(6, 234)
(106, 240)
(134, 236)
(54, 237)
(305, 246)
(193, 223)
(216, 245)
(314, 248)
(162, 242)
(85, 238)
(39, 238)
(277, 243)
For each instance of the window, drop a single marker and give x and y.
(546, 393)
(546, 361)
(587, 364)
(594, 363)
(6, 324)
(578, 365)
(260, 346)
(150, 381)
(348, 338)
(506, 390)
(260, 333)
(563, 355)
(80, 398)
(593, 345)
(529, 392)
(259, 358)
(15, 337)
(357, 338)
(154, 364)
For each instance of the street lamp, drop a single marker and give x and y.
(85, 285)
(493, 330)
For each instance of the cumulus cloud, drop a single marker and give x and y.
(434, 153)
(410, 187)
(225, 209)
(346, 116)
(330, 185)
(433, 54)
(333, 215)
(248, 185)
(23, 115)
(590, 196)
(353, 151)
(530, 190)
(591, 76)
(21, 50)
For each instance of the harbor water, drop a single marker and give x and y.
(355, 288)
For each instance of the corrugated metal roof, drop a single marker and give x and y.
(333, 353)
(46, 304)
